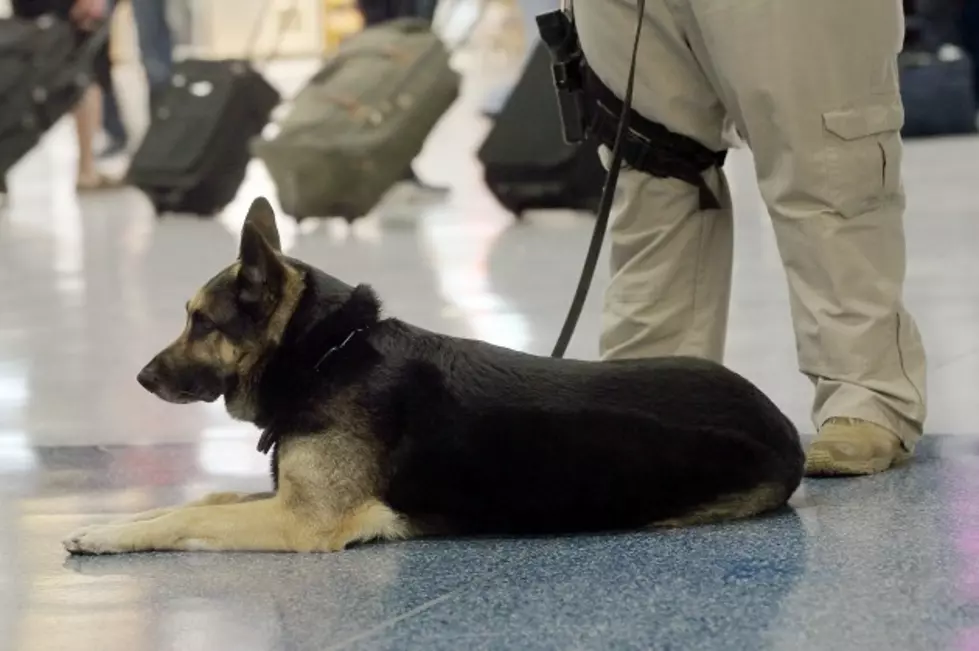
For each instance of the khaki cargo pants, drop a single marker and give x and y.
(812, 87)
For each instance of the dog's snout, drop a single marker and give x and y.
(149, 378)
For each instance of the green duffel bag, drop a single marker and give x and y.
(353, 130)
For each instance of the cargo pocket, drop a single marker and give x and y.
(862, 157)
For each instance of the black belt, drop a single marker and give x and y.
(649, 146)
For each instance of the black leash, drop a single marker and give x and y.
(605, 205)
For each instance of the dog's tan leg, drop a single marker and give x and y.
(207, 500)
(260, 525)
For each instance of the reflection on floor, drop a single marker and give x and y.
(90, 288)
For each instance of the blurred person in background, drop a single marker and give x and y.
(85, 15)
(155, 45)
(156, 55)
(812, 86)
(113, 125)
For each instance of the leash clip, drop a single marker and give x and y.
(336, 348)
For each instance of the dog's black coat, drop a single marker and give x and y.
(483, 439)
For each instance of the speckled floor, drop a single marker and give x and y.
(890, 562)
(90, 288)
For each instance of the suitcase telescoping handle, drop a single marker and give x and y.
(251, 45)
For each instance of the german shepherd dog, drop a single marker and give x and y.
(380, 430)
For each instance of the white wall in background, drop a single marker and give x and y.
(222, 28)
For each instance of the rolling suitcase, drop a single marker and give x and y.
(526, 162)
(936, 82)
(353, 130)
(44, 70)
(195, 153)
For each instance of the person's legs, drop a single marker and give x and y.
(425, 9)
(376, 12)
(155, 44)
(88, 111)
(671, 261)
(112, 121)
(88, 119)
(813, 88)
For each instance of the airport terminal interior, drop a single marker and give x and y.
(93, 284)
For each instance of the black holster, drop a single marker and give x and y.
(649, 146)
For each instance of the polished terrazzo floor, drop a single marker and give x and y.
(91, 287)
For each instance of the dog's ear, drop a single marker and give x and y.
(261, 217)
(261, 274)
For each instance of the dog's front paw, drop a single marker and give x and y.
(98, 539)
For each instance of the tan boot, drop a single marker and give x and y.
(846, 446)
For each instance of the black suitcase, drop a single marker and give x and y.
(44, 70)
(526, 162)
(195, 153)
(936, 84)
(938, 96)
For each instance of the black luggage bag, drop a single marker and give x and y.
(526, 162)
(44, 71)
(195, 153)
(936, 81)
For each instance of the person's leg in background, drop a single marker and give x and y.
(88, 121)
(155, 45)
(376, 12)
(671, 261)
(425, 9)
(112, 122)
(88, 111)
(813, 88)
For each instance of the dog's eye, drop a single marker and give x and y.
(200, 325)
